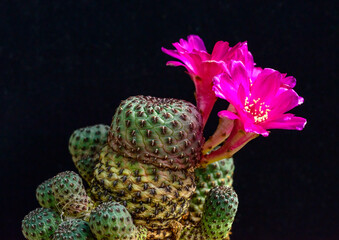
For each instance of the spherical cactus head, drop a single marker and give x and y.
(70, 194)
(40, 224)
(88, 141)
(219, 211)
(74, 229)
(111, 220)
(219, 173)
(165, 132)
(44, 194)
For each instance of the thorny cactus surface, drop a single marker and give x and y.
(150, 175)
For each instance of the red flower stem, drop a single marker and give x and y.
(232, 145)
(224, 129)
(204, 96)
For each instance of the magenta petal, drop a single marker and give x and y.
(172, 53)
(289, 82)
(266, 85)
(196, 42)
(174, 63)
(239, 75)
(284, 102)
(210, 69)
(227, 114)
(250, 127)
(224, 88)
(256, 72)
(287, 121)
(220, 50)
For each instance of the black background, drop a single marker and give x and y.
(67, 64)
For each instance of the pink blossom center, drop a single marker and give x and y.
(257, 108)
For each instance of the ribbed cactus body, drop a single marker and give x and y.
(216, 174)
(164, 132)
(73, 229)
(44, 194)
(111, 220)
(85, 145)
(154, 196)
(40, 224)
(70, 195)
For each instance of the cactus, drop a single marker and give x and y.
(70, 195)
(154, 196)
(216, 174)
(44, 194)
(164, 132)
(218, 215)
(111, 220)
(40, 224)
(148, 159)
(74, 229)
(85, 145)
(219, 211)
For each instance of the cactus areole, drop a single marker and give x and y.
(150, 174)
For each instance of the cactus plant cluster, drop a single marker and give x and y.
(141, 178)
(150, 174)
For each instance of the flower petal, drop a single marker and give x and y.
(239, 75)
(174, 64)
(250, 127)
(266, 85)
(220, 50)
(224, 88)
(289, 82)
(287, 121)
(227, 114)
(284, 102)
(196, 42)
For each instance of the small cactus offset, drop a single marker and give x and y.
(40, 224)
(74, 229)
(85, 145)
(218, 215)
(219, 173)
(111, 220)
(150, 174)
(44, 194)
(70, 195)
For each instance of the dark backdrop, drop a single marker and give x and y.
(67, 64)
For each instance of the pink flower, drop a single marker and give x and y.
(261, 98)
(202, 66)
